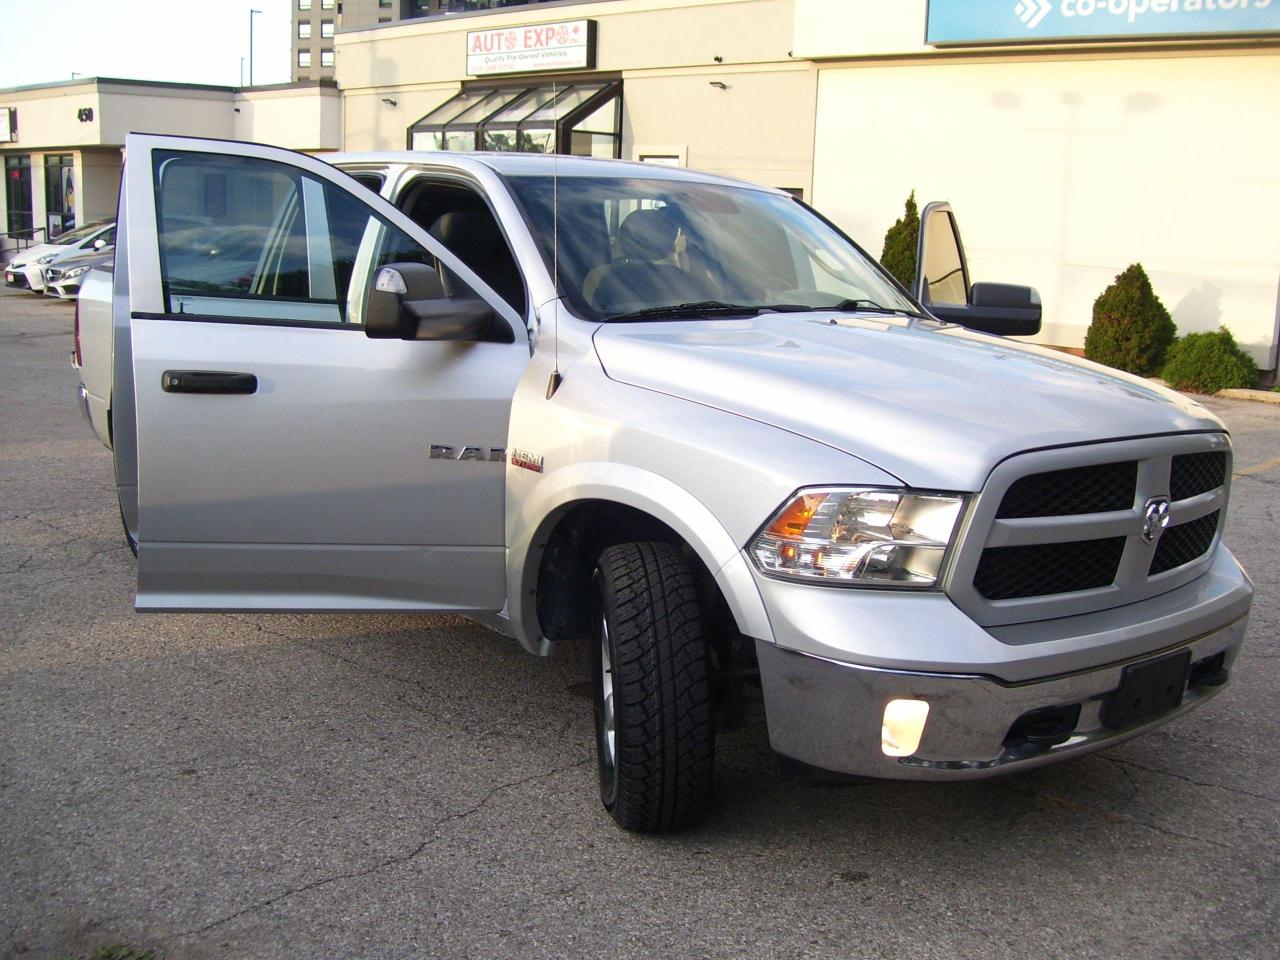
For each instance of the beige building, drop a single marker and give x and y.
(61, 143)
(1073, 137)
(1066, 158)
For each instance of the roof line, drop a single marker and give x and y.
(325, 82)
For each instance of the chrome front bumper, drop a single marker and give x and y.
(829, 715)
(840, 656)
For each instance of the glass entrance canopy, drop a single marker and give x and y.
(584, 119)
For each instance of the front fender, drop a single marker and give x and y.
(555, 494)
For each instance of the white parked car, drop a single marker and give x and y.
(27, 269)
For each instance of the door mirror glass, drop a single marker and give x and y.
(942, 275)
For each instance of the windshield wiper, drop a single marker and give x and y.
(870, 306)
(677, 311)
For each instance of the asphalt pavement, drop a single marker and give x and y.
(235, 786)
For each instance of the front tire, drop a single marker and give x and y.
(655, 732)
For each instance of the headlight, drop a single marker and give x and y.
(859, 537)
(75, 272)
(47, 258)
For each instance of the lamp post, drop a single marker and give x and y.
(252, 13)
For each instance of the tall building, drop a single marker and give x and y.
(316, 21)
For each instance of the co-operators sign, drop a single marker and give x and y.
(1031, 21)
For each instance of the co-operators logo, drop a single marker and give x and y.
(1032, 12)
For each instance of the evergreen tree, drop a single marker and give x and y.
(901, 243)
(1131, 328)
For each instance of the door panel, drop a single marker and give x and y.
(318, 490)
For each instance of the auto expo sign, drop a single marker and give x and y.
(1031, 21)
(568, 45)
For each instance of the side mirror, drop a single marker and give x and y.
(99, 243)
(998, 308)
(407, 301)
(942, 283)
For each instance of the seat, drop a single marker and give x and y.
(640, 278)
(474, 239)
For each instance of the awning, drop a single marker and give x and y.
(584, 119)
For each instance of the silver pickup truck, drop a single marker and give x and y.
(682, 418)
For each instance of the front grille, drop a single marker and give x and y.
(1186, 542)
(1098, 489)
(1059, 532)
(1010, 573)
(1192, 474)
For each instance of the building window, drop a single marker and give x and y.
(59, 193)
(326, 4)
(384, 19)
(17, 195)
(384, 4)
(304, 58)
(326, 58)
(304, 30)
(304, 4)
(326, 29)
(578, 118)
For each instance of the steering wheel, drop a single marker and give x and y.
(771, 289)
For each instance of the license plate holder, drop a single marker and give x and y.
(1148, 689)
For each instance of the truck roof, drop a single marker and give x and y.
(534, 165)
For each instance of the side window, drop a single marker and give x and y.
(459, 218)
(371, 180)
(259, 240)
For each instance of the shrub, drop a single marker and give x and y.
(1131, 328)
(901, 244)
(1209, 362)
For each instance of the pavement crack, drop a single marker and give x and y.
(1185, 779)
(1117, 818)
(436, 828)
(349, 661)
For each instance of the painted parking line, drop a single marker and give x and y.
(1258, 468)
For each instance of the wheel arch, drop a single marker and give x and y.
(575, 513)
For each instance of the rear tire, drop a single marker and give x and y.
(655, 732)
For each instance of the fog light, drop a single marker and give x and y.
(903, 727)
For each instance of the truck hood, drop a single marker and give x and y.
(937, 406)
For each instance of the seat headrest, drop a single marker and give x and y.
(647, 235)
(471, 237)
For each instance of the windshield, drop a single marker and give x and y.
(80, 233)
(634, 246)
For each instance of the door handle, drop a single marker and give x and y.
(207, 381)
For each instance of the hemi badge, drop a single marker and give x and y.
(526, 461)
